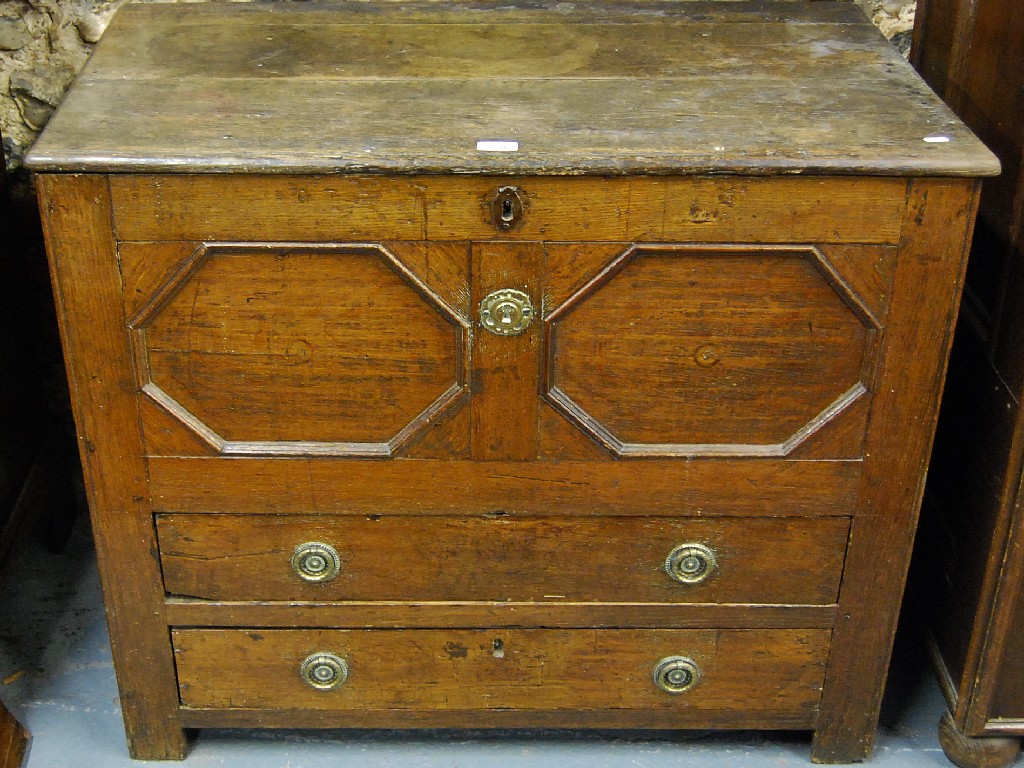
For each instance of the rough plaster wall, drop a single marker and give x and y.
(43, 44)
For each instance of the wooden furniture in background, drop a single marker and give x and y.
(587, 379)
(969, 574)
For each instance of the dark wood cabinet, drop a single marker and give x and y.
(622, 425)
(969, 566)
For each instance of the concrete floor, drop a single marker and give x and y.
(59, 681)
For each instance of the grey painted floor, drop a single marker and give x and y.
(58, 680)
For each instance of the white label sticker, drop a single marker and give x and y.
(487, 145)
(936, 139)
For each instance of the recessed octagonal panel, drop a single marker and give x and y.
(299, 349)
(686, 350)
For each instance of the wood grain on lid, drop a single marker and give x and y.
(602, 88)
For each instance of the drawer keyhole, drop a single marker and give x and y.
(509, 314)
(508, 207)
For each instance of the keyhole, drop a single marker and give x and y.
(507, 208)
(506, 314)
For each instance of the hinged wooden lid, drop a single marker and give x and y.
(512, 87)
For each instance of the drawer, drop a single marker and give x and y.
(610, 559)
(217, 207)
(761, 673)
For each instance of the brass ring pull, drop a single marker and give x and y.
(506, 312)
(315, 562)
(676, 674)
(691, 563)
(324, 671)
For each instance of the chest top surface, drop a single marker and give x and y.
(596, 88)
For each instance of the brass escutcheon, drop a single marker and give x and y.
(506, 312)
(690, 563)
(676, 674)
(315, 562)
(324, 670)
(508, 208)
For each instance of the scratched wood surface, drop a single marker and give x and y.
(87, 291)
(926, 292)
(616, 88)
(730, 350)
(610, 559)
(351, 208)
(452, 670)
(382, 614)
(667, 487)
(301, 344)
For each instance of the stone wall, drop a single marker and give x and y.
(894, 17)
(43, 44)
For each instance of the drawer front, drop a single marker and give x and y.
(349, 208)
(613, 559)
(755, 672)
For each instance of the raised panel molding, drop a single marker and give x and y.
(424, 362)
(813, 362)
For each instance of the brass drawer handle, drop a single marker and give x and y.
(324, 671)
(691, 563)
(506, 312)
(676, 674)
(315, 562)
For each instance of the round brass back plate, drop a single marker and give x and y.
(506, 312)
(324, 671)
(676, 674)
(315, 562)
(691, 563)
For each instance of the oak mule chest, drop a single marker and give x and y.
(453, 364)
